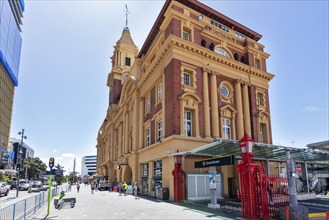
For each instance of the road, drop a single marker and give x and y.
(11, 198)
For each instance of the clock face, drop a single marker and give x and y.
(224, 91)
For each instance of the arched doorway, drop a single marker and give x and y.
(127, 175)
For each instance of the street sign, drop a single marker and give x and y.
(59, 172)
(51, 172)
(51, 162)
(219, 161)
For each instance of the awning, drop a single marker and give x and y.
(225, 147)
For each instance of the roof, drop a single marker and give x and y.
(324, 145)
(225, 147)
(204, 10)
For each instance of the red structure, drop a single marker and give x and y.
(178, 174)
(249, 184)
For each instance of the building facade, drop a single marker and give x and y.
(88, 165)
(11, 13)
(199, 76)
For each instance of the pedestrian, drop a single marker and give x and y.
(120, 188)
(78, 187)
(125, 187)
(110, 187)
(92, 187)
(96, 186)
(135, 190)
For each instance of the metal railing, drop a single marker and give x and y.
(21, 209)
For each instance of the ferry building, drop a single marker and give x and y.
(199, 76)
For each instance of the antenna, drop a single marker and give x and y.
(127, 12)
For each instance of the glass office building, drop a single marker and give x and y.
(11, 13)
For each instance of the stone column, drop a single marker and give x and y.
(141, 120)
(246, 111)
(238, 101)
(206, 105)
(214, 106)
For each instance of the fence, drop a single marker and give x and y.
(24, 207)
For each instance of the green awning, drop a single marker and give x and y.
(225, 147)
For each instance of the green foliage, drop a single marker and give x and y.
(2, 177)
(73, 175)
(60, 179)
(34, 166)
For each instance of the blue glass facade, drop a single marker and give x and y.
(10, 40)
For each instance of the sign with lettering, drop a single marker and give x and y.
(219, 161)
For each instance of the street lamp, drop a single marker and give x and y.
(19, 159)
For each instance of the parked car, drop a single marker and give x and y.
(36, 184)
(4, 188)
(24, 185)
(103, 185)
(12, 184)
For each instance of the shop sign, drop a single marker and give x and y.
(219, 161)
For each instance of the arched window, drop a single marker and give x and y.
(221, 52)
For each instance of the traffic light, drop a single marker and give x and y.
(51, 162)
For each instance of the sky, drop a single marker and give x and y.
(62, 97)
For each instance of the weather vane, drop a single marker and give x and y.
(127, 12)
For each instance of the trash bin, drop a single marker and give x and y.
(165, 193)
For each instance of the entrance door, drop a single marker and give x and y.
(145, 187)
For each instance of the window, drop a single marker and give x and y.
(148, 137)
(159, 95)
(157, 165)
(188, 123)
(260, 99)
(187, 79)
(224, 91)
(227, 128)
(239, 35)
(221, 52)
(145, 172)
(186, 35)
(159, 125)
(148, 104)
(127, 62)
(257, 63)
(219, 25)
(262, 133)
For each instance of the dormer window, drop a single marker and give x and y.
(127, 61)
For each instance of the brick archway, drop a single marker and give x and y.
(127, 174)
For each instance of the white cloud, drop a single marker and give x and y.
(312, 109)
(70, 155)
(59, 158)
(55, 150)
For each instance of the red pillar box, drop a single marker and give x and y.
(178, 174)
(249, 183)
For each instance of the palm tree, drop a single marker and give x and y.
(35, 166)
(59, 179)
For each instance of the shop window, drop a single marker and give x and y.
(227, 128)
(145, 170)
(157, 167)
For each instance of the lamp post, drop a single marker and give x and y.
(248, 171)
(19, 159)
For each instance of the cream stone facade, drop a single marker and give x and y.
(198, 76)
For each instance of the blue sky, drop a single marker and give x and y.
(62, 97)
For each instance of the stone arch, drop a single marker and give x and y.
(128, 84)
(127, 175)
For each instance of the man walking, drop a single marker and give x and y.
(125, 187)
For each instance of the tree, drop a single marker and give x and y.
(60, 179)
(35, 166)
(75, 175)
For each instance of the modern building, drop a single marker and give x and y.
(88, 165)
(199, 76)
(11, 13)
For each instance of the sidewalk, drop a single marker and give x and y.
(109, 205)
